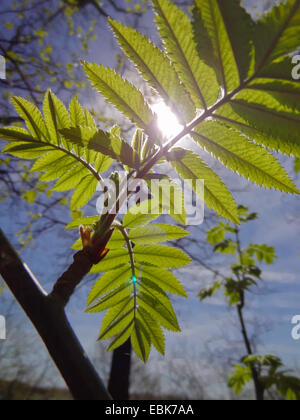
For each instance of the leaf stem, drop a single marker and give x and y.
(123, 230)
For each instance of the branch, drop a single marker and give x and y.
(48, 316)
(92, 253)
(258, 384)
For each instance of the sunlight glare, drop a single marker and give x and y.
(167, 122)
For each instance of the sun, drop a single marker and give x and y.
(166, 120)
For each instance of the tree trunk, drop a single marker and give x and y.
(258, 385)
(48, 317)
(120, 372)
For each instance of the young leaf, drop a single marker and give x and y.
(108, 282)
(238, 154)
(152, 327)
(158, 311)
(161, 256)
(156, 233)
(84, 192)
(175, 29)
(191, 167)
(155, 68)
(149, 288)
(277, 33)
(117, 296)
(113, 260)
(259, 126)
(117, 319)
(140, 341)
(120, 93)
(240, 28)
(16, 134)
(138, 216)
(32, 117)
(121, 338)
(107, 144)
(163, 278)
(214, 24)
(77, 116)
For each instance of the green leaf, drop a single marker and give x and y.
(57, 157)
(71, 178)
(156, 233)
(163, 278)
(77, 116)
(240, 28)
(140, 341)
(119, 92)
(147, 287)
(158, 311)
(138, 216)
(152, 327)
(216, 234)
(277, 33)
(270, 129)
(106, 144)
(56, 118)
(50, 118)
(277, 93)
(121, 338)
(279, 70)
(297, 165)
(167, 198)
(155, 68)
(176, 30)
(116, 241)
(247, 159)
(16, 133)
(84, 192)
(32, 117)
(109, 281)
(138, 141)
(278, 97)
(227, 247)
(161, 256)
(209, 291)
(191, 167)
(213, 22)
(240, 376)
(113, 260)
(117, 296)
(30, 196)
(25, 150)
(263, 253)
(117, 319)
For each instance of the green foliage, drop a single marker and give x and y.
(72, 167)
(175, 29)
(135, 293)
(225, 238)
(271, 373)
(155, 68)
(122, 94)
(239, 378)
(228, 80)
(191, 167)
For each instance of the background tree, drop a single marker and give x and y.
(262, 369)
